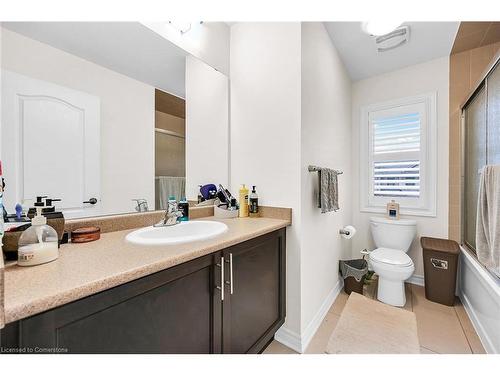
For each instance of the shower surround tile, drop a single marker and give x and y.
(470, 57)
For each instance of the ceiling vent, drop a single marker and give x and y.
(393, 40)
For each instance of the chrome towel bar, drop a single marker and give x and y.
(313, 168)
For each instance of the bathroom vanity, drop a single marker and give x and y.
(203, 297)
(224, 294)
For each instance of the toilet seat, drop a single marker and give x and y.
(393, 257)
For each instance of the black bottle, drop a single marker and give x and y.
(253, 206)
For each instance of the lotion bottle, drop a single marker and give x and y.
(243, 195)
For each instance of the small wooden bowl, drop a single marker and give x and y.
(86, 234)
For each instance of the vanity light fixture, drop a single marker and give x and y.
(380, 27)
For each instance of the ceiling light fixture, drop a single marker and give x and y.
(377, 28)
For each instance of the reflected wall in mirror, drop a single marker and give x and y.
(170, 148)
(109, 117)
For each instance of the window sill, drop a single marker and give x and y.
(402, 211)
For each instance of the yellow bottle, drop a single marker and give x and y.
(243, 201)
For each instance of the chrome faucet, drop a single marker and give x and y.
(142, 205)
(171, 216)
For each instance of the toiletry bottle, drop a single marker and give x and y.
(253, 206)
(55, 219)
(243, 201)
(200, 197)
(172, 203)
(393, 210)
(184, 208)
(234, 204)
(19, 212)
(39, 243)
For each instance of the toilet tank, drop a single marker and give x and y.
(393, 234)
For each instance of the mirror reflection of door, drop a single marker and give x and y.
(50, 144)
(170, 148)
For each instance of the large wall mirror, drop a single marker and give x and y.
(108, 117)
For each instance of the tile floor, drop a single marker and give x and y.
(441, 329)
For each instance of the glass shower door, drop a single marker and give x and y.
(475, 159)
(494, 116)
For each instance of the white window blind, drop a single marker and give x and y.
(396, 156)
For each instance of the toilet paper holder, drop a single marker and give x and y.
(347, 232)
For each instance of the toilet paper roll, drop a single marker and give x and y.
(348, 232)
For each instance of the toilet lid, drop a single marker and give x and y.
(391, 256)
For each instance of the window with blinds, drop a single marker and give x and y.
(398, 151)
(396, 160)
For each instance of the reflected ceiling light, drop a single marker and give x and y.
(180, 26)
(382, 27)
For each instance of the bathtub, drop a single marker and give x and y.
(479, 291)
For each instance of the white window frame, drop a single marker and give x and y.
(426, 204)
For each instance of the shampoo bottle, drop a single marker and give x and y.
(253, 203)
(243, 195)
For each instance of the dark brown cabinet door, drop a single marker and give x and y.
(172, 311)
(254, 298)
(232, 301)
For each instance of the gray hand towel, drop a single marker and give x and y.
(328, 197)
(488, 219)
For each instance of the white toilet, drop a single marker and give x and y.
(389, 260)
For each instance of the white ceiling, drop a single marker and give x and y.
(125, 47)
(428, 40)
(134, 50)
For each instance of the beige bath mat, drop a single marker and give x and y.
(372, 327)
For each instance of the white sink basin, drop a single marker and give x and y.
(186, 231)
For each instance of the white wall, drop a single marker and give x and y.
(209, 41)
(432, 76)
(207, 126)
(127, 115)
(325, 141)
(265, 128)
(291, 107)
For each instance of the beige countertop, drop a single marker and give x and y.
(89, 268)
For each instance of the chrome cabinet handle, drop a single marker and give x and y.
(221, 288)
(230, 282)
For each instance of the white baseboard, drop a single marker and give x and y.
(416, 280)
(299, 342)
(314, 324)
(289, 339)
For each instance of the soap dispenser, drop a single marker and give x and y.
(253, 205)
(39, 243)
